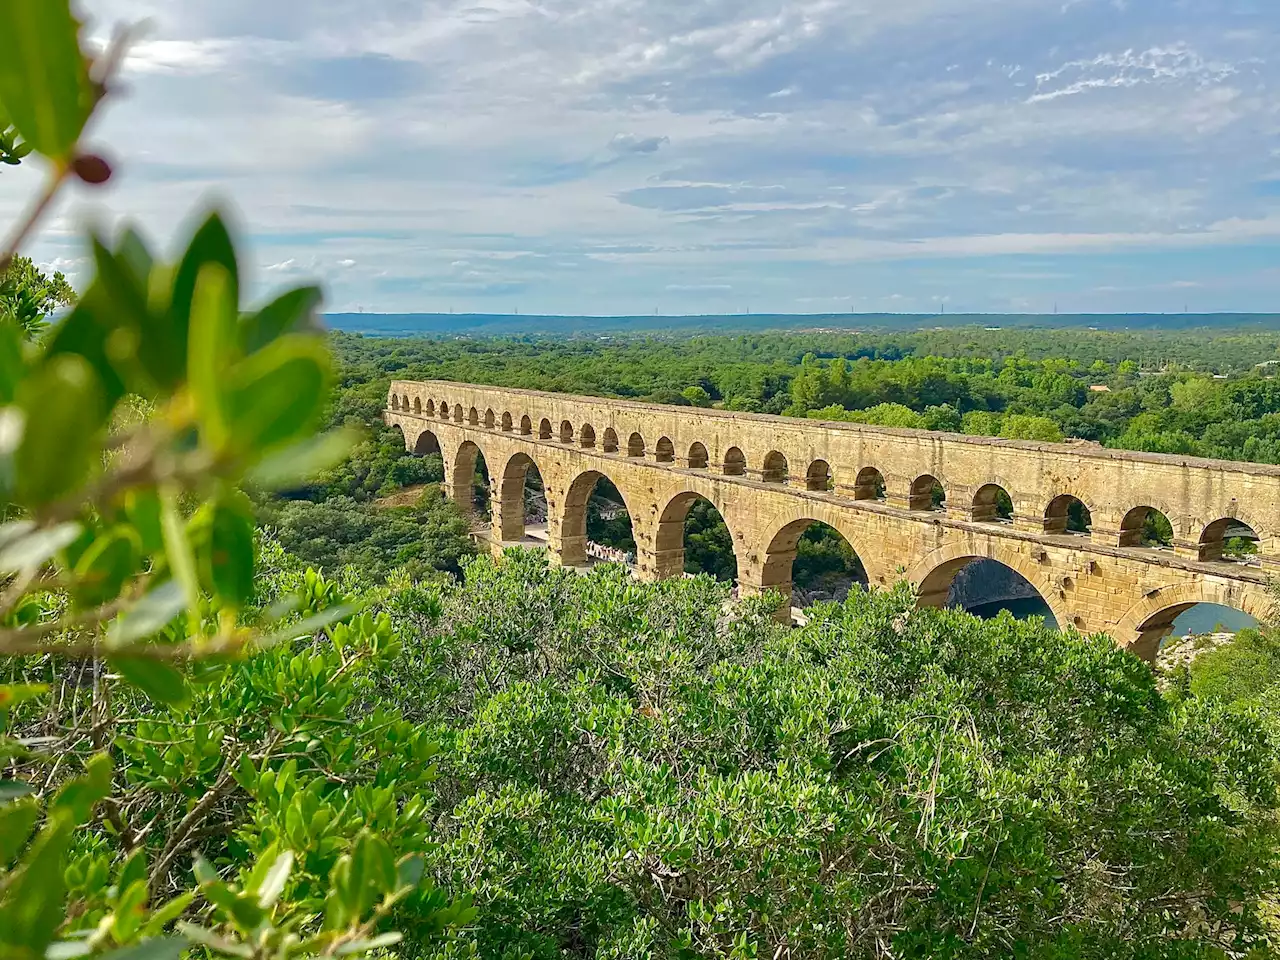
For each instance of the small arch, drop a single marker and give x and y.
(457, 412)
(666, 451)
(610, 440)
(818, 476)
(417, 405)
(1146, 527)
(427, 443)
(473, 417)
(1229, 540)
(635, 445)
(927, 493)
(400, 430)
(490, 419)
(869, 485)
(992, 504)
(566, 431)
(698, 458)
(506, 422)
(395, 402)
(693, 537)
(775, 468)
(587, 437)
(735, 463)
(404, 401)
(444, 410)
(526, 426)
(1067, 514)
(431, 408)
(544, 429)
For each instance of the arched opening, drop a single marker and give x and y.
(587, 436)
(610, 440)
(869, 485)
(490, 419)
(775, 468)
(693, 538)
(927, 493)
(506, 422)
(417, 405)
(566, 431)
(544, 429)
(735, 463)
(444, 410)
(1229, 540)
(431, 408)
(818, 477)
(985, 588)
(635, 445)
(526, 426)
(457, 413)
(395, 402)
(992, 504)
(427, 443)
(522, 500)
(597, 524)
(471, 474)
(698, 458)
(810, 562)
(1067, 514)
(666, 451)
(1146, 527)
(1178, 632)
(473, 417)
(404, 401)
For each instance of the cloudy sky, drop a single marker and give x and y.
(692, 156)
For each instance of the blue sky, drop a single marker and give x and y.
(691, 156)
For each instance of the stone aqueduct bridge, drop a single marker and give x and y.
(770, 477)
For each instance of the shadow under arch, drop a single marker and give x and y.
(426, 443)
(576, 548)
(936, 573)
(520, 493)
(1148, 622)
(693, 536)
(470, 473)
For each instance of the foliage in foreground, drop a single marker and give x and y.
(635, 770)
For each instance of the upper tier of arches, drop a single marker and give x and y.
(1106, 496)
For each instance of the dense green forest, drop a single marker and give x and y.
(259, 700)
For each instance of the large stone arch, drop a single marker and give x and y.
(773, 559)
(1150, 620)
(426, 442)
(570, 529)
(508, 500)
(665, 539)
(461, 473)
(933, 574)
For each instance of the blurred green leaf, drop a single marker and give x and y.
(16, 822)
(291, 312)
(157, 680)
(161, 948)
(12, 694)
(103, 568)
(211, 244)
(12, 368)
(230, 554)
(152, 613)
(210, 350)
(78, 796)
(44, 80)
(33, 905)
(273, 883)
(303, 460)
(22, 548)
(276, 396)
(61, 444)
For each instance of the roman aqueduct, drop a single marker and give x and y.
(771, 477)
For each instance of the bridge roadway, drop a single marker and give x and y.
(770, 477)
